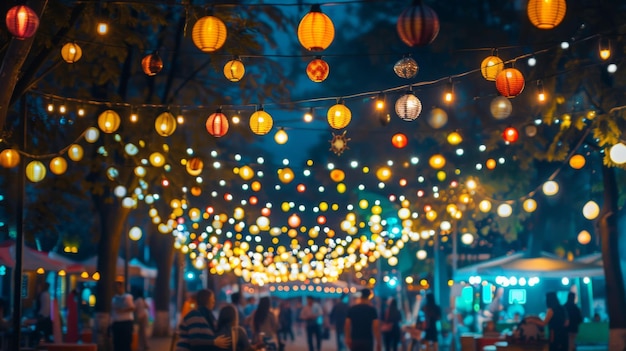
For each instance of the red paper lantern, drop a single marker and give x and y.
(294, 221)
(399, 140)
(321, 220)
(317, 70)
(510, 135)
(152, 64)
(22, 22)
(510, 82)
(217, 124)
(301, 188)
(418, 25)
(266, 212)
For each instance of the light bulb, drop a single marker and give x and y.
(103, 28)
(380, 102)
(308, 117)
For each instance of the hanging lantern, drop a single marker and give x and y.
(454, 138)
(504, 210)
(152, 64)
(577, 161)
(281, 137)
(234, 70)
(75, 152)
(71, 52)
(22, 22)
(58, 165)
(406, 68)
(285, 175)
(9, 158)
(546, 14)
(437, 161)
(491, 67)
(217, 124)
(209, 33)
(501, 107)
(317, 70)
(337, 175)
(157, 159)
(617, 153)
(339, 116)
(92, 134)
(294, 221)
(510, 82)
(418, 25)
(408, 107)
(261, 122)
(109, 121)
(165, 124)
(491, 164)
(399, 140)
(437, 118)
(584, 237)
(550, 188)
(384, 173)
(510, 134)
(194, 166)
(591, 210)
(246, 173)
(35, 171)
(316, 31)
(529, 205)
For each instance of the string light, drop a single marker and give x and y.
(605, 49)
(81, 112)
(235, 118)
(541, 95)
(380, 102)
(308, 116)
(448, 96)
(102, 28)
(134, 117)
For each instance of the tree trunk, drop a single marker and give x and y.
(615, 292)
(163, 250)
(113, 219)
(12, 63)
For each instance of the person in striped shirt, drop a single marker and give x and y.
(197, 330)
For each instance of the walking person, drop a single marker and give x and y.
(338, 316)
(264, 325)
(122, 317)
(575, 318)
(556, 320)
(432, 314)
(285, 320)
(362, 328)
(142, 317)
(228, 326)
(390, 326)
(197, 331)
(310, 315)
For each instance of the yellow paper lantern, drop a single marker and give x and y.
(577, 161)
(504, 210)
(530, 205)
(285, 175)
(437, 161)
(209, 33)
(92, 134)
(341, 188)
(491, 67)
(109, 121)
(35, 171)
(58, 165)
(165, 124)
(339, 116)
(441, 176)
(431, 215)
(246, 173)
(546, 14)
(157, 159)
(316, 30)
(584, 237)
(194, 166)
(234, 70)
(484, 206)
(75, 152)
(9, 158)
(261, 122)
(135, 233)
(383, 174)
(454, 138)
(550, 188)
(256, 186)
(337, 175)
(591, 210)
(71, 52)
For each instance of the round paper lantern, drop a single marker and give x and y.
(337, 175)
(577, 161)
(510, 135)
(261, 122)
(437, 161)
(510, 82)
(246, 173)
(317, 70)
(484, 206)
(546, 14)
(437, 118)
(406, 68)
(152, 64)
(194, 166)
(408, 107)
(71, 52)
(294, 221)
(467, 238)
(531, 130)
(209, 33)
(22, 21)
(35, 171)
(92, 134)
(491, 67)
(339, 116)
(234, 70)
(285, 175)
(591, 210)
(75, 152)
(617, 153)
(550, 188)
(584, 237)
(9, 158)
(165, 124)
(504, 210)
(454, 138)
(135, 233)
(109, 121)
(529, 205)
(217, 124)
(157, 159)
(501, 107)
(58, 165)
(399, 140)
(383, 174)
(316, 31)
(491, 164)
(418, 25)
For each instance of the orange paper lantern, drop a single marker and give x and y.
(546, 14)
(22, 21)
(399, 140)
(152, 64)
(217, 124)
(209, 33)
(317, 70)
(418, 25)
(510, 82)
(316, 31)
